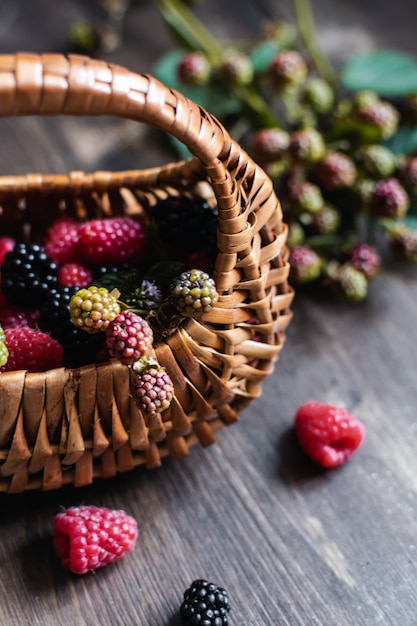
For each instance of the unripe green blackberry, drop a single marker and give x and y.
(305, 265)
(237, 67)
(389, 199)
(295, 235)
(364, 98)
(407, 173)
(325, 222)
(193, 69)
(318, 95)
(379, 119)
(335, 171)
(193, 293)
(152, 389)
(128, 337)
(364, 187)
(366, 259)
(376, 161)
(93, 309)
(350, 283)
(403, 245)
(307, 145)
(306, 198)
(4, 353)
(269, 144)
(288, 69)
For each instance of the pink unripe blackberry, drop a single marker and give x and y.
(128, 337)
(325, 222)
(335, 171)
(366, 259)
(288, 69)
(153, 390)
(194, 69)
(307, 145)
(269, 144)
(389, 199)
(305, 265)
(93, 309)
(237, 67)
(306, 197)
(408, 173)
(379, 118)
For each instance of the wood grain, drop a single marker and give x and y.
(294, 545)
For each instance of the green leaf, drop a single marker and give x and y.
(404, 141)
(262, 55)
(388, 72)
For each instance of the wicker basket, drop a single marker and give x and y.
(72, 425)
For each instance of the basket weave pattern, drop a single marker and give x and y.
(72, 425)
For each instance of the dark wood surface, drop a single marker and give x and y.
(293, 544)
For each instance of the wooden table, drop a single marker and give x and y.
(293, 544)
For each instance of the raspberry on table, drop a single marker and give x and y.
(89, 537)
(205, 603)
(193, 293)
(152, 389)
(32, 350)
(328, 434)
(112, 241)
(61, 244)
(74, 275)
(128, 337)
(93, 309)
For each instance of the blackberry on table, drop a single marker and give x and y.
(206, 604)
(28, 274)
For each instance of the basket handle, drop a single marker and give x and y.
(54, 84)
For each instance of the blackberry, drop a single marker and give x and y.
(79, 347)
(28, 274)
(193, 293)
(205, 603)
(187, 223)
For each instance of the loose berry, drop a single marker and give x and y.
(307, 145)
(112, 242)
(366, 259)
(403, 245)
(193, 293)
(74, 275)
(305, 265)
(328, 434)
(93, 309)
(306, 197)
(32, 350)
(61, 244)
(89, 537)
(4, 353)
(335, 171)
(6, 245)
(193, 69)
(349, 282)
(205, 603)
(237, 67)
(269, 144)
(288, 69)
(389, 199)
(128, 337)
(376, 161)
(152, 389)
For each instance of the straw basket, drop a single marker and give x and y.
(73, 425)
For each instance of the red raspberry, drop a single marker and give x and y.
(61, 243)
(31, 350)
(74, 275)
(6, 245)
(128, 337)
(328, 434)
(16, 317)
(89, 537)
(112, 242)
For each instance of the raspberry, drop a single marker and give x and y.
(335, 171)
(305, 264)
(366, 259)
(379, 119)
(403, 245)
(328, 434)
(6, 245)
(16, 317)
(237, 67)
(306, 197)
(349, 282)
(389, 199)
(88, 537)
(307, 145)
(112, 242)
(288, 69)
(318, 95)
(61, 244)
(152, 388)
(4, 353)
(193, 293)
(32, 350)
(376, 161)
(269, 144)
(74, 275)
(193, 69)
(128, 337)
(205, 603)
(27, 275)
(408, 174)
(93, 309)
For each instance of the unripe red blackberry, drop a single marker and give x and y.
(407, 173)
(193, 69)
(349, 283)
(4, 353)
(193, 293)
(305, 265)
(389, 199)
(269, 144)
(128, 337)
(93, 309)
(379, 119)
(335, 171)
(237, 67)
(403, 245)
(307, 145)
(318, 95)
(288, 69)
(366, 259)
(306, 198)
(376, 161)
(325, 222)
(152, 389)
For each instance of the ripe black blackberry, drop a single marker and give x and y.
(80, 348)
(205, 604)
(187, 223)
(28, 274)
